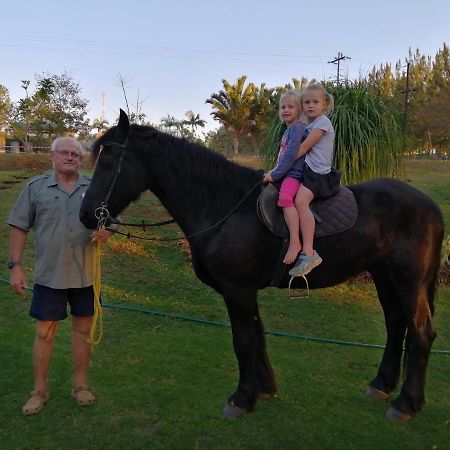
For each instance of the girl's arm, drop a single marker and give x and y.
(312, 139)
(290, 155)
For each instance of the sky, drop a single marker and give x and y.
(172, 55)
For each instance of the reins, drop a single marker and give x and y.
(103, 216)
(104, 211)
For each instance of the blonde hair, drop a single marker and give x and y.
(315, 85)
(294, 95)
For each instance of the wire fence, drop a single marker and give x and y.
(227, 325)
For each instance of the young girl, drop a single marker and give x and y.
(289, 168)
(320, 180)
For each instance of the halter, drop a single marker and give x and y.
(102, 213)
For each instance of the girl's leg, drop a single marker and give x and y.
(307, 221)
(292, 222)
(288, 191)
(308, 258)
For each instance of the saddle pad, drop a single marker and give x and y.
(333, 215)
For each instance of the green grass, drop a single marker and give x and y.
(161, 383)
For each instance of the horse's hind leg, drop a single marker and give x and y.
(255, 374)
(405, 300)
(419, 339)
(396, 322)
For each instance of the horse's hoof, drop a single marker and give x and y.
(376, 394)
(267, 395)
(397, 416)
(233, 411)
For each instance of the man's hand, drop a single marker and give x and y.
(18, 281)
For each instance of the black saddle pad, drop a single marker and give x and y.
(333, 215)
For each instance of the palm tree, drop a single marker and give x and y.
(263, 110)
(193, 121)
(99, 124)
(232, 107)
(170, 122)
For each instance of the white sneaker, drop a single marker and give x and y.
(305, 264)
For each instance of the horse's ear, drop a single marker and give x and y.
(124, 123)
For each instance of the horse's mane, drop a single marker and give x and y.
(194, 158)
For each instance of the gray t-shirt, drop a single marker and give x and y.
(64, 253)
(320, 156)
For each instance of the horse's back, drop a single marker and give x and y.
(396, 198)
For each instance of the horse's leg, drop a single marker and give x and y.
(266, 387)
(408, 311)
(242, 310)
(396, 322)
(419, 339)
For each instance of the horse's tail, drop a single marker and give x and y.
(432, 289)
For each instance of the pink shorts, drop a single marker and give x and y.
(288, 191)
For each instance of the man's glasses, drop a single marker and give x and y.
(65, 154)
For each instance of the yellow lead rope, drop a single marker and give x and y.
(93, 340)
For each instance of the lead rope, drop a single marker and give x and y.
(96, 336)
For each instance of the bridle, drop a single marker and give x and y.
(102, 213)
(103, 216)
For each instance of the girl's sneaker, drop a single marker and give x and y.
(305, 264)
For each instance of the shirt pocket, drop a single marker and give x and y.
(49, 210)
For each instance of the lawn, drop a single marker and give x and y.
(161, 382)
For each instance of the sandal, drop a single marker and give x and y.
(83, 395)
(35, 402)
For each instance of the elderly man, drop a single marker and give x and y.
(49, 204)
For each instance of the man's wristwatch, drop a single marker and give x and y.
(12, 263)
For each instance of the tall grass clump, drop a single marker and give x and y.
(271, 143)
(369, 140)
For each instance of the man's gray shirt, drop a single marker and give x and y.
(64, 253)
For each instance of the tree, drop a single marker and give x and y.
(170, 124)
(60, 105)
(418, 87)
(218, 140)
(232, 107)
(56, 107)
(100, 125)
(5, 107)
(194, 121)
(22, 116)
(263, 109)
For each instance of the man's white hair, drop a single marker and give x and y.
(59, 140)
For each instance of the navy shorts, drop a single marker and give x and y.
(322, 186)
(51, 304)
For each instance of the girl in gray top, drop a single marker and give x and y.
(320, 180)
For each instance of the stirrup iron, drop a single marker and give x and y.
(304, 293)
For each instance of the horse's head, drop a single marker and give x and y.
(119, 178)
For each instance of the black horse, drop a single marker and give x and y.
(397, 238)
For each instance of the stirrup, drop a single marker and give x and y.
(303, 293)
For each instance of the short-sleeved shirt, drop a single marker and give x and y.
(64, 253)
(288, 165)
(320, 156)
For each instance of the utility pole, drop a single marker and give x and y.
(103, 113)
(337, 61)
(407, 91)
